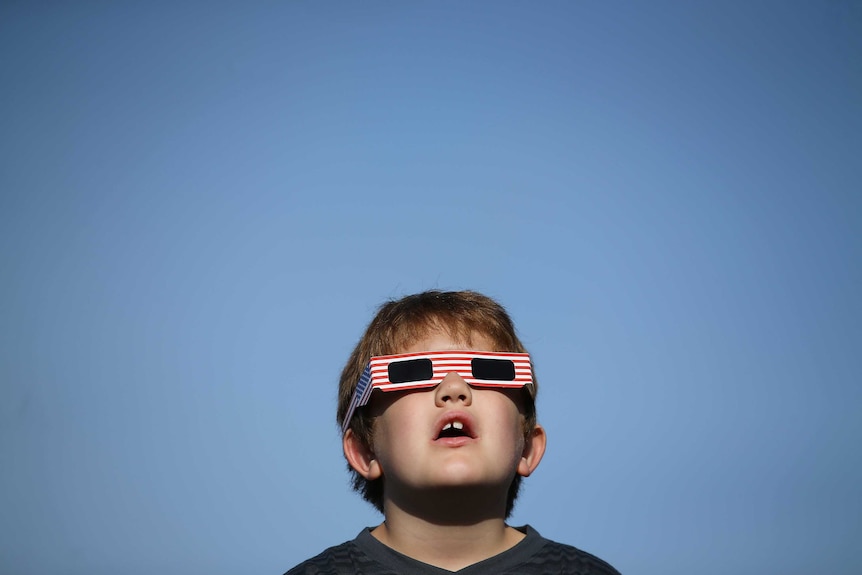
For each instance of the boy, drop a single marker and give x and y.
(438, 418)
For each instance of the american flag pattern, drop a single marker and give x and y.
(360, 396)
(376, 373)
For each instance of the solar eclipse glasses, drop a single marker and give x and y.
(427, 369)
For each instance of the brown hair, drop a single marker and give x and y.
(399, 323)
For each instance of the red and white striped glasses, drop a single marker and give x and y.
(427, 369)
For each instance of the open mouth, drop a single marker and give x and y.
(454, 428)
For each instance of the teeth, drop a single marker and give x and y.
(455, 424)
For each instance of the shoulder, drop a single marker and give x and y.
(333, 561)
(562, 558)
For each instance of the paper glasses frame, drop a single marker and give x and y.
(377, 373)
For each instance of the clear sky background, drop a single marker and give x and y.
(203, 204)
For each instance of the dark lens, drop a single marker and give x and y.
(496, 369)
(411, 370)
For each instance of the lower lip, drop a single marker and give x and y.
(453, 441)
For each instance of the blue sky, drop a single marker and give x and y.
(202, 205)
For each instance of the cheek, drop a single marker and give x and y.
(397, 424)
(508, 414)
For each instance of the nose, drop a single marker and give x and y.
(453, 389)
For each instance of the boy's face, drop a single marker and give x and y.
(450, 435)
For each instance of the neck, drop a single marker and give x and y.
(450, 534)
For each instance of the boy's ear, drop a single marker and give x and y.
(534, 449)
(360, 457)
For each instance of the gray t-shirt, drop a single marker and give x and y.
(533, 555)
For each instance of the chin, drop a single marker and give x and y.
(468, 478)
